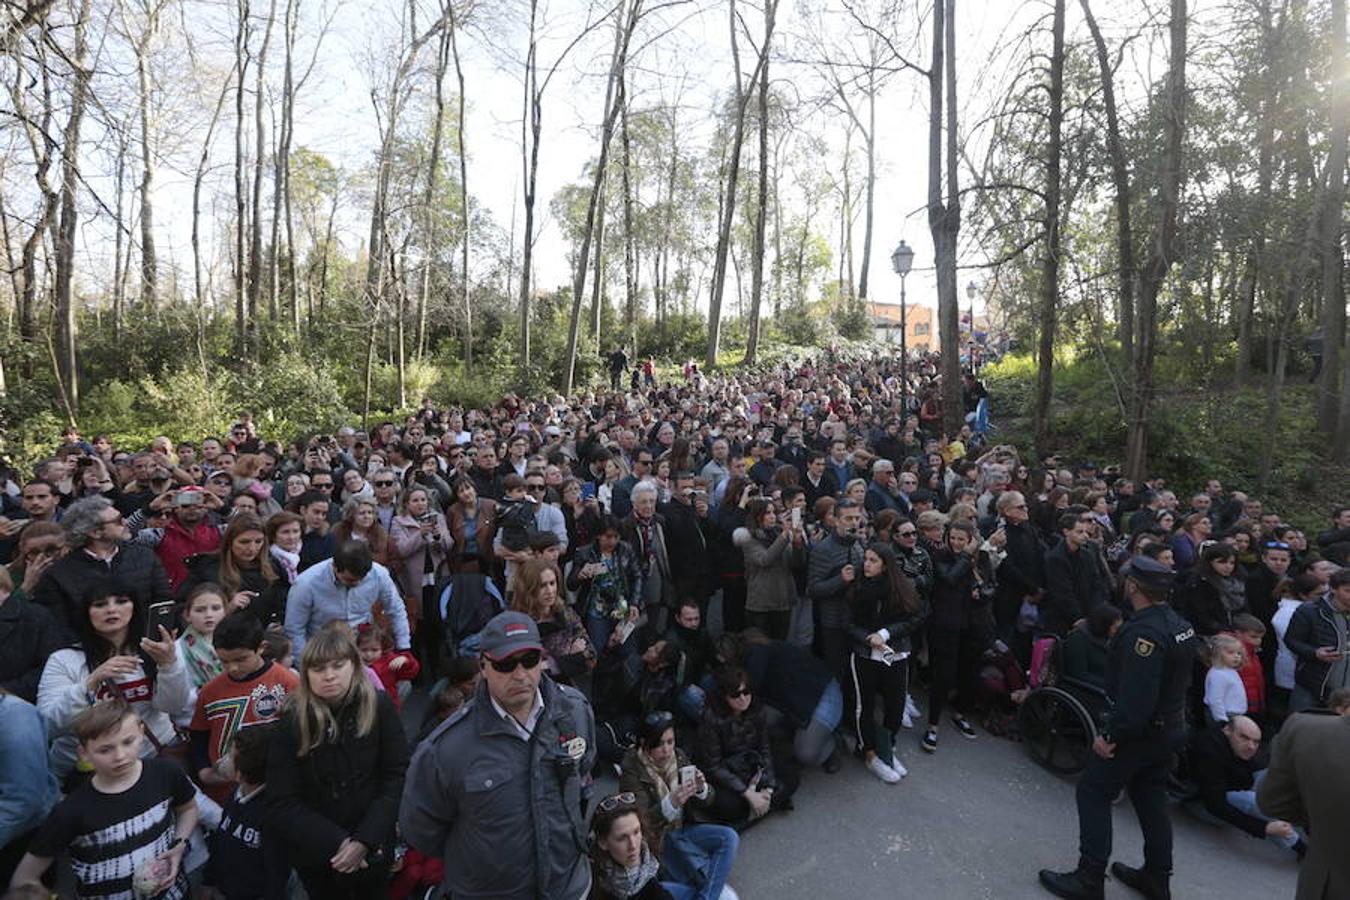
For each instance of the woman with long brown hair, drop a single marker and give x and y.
(361, 522)
(883, 613)
(335, 772)
(536, 591)
(242, 565)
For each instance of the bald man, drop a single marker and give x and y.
(1223, 763)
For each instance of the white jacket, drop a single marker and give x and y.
(63, 694)
(1285, 661)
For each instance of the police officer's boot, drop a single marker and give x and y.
(1080, 884)
(1149, 882)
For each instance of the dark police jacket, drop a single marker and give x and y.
(504, 813)
(1148, 671)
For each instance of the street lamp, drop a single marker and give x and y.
(902, 259)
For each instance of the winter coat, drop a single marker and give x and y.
(954, 596)
(270, 604)
(868, 615)
(1075, 585)
(63, 585)
(787, 677)
(625, 580)
(486, 514)
(410, 547)
(28, 635)
(769, 560)
(824, 583)
(1313, 626)
(345, 787)
(730, 748)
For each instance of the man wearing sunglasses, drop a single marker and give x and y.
(498, 789)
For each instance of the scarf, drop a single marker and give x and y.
(646, 536)
(665, 776)
(622, 882)
(199, 655)
(1232, 592)
(289, 562)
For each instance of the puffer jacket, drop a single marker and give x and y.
(63, 585)
(769, 559)
(825, 585)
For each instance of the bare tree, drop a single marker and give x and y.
(255, 253)
(762, 194)
(944, 214)
(1163, 246)
(1330, 230)
(1049, 300)
(66, 325)
(241, 60)
(463, 191)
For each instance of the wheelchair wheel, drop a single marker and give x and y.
(1057, 730)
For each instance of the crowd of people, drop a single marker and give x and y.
(706, 589)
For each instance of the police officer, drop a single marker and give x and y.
(1148, 673)
(498, 790)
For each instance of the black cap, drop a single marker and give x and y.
(1149, 574)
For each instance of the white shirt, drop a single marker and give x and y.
(526, 731)
(1285, 661)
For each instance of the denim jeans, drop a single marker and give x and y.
(830, 708)
(1246, 801)
(700, 856)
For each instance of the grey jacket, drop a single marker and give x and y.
(824, 583)
(505, 814)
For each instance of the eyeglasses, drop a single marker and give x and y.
(609, 804)
(384, 484)
(529, 659)
(906, 533)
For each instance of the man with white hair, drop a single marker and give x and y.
(881, 492)
(644, 530)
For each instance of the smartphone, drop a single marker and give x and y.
(688, 774)
(161, 614)
(796, 518)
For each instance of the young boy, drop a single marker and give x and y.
(1250, 631)
(246, 862)
(129, 824)
(250, 690)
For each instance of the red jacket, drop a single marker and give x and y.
(178, 544)
(1253, 676)
(390, 678)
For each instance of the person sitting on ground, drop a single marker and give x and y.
(733, 749)
(675, 805)
(623, 865)
(1223, 762)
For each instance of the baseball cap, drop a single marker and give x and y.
(509, 633)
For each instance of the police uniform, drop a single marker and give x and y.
(1148, 673)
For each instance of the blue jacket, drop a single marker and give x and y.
(317, 598)
(28, 789)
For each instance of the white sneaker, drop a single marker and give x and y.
(911, 712)
(728, 893)
(882, 771)
(897, 766)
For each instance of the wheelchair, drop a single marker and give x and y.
(1059, 718)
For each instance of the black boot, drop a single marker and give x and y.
(1080, 884)
(1153, 885)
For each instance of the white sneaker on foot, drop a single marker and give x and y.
(882, 771)
(911, 712)
(897, 766)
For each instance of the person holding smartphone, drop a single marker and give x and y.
(771, 553)
(608, 582)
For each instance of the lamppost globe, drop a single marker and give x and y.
(902, 259)
(971, 290)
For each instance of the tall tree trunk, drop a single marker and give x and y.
(149, 258)
(1163, 250)
(463, 193)
(625, 24)
(1049, 300)
(870, 136)
(1120, 180)
(43, 147)
(429, 195)
(198, 284)
(944, 219)
(728, 203)
(1265, 174)
(241, 58)
(1330, 229)
(630, 262)
(255, 260)
(120, 230)
(283, 162)
(66, 325)
(762, 193)
(598, 285)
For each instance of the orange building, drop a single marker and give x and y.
(920, 325)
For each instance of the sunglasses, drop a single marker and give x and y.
(609, 804)
(529, 659)
(658, 719)
(736, 695)
(906, 533)
(384, 484)
(322, 487)
(1276, 545)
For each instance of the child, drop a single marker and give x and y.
(375, 645)
(1248, 629)
(1224, 694)
(129, 824)
(277, 647)
(246, 862)
(249, 691)
(202, 612)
